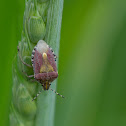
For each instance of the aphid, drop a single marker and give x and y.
(44, 66)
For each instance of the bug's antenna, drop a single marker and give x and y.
(37, 95)
(57, 93)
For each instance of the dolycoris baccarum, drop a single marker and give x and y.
(44, 65)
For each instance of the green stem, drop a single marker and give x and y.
(35, 4)
(46, 102)
(40, 112)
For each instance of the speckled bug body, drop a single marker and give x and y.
(44, 65)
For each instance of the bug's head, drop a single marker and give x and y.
(46, 85)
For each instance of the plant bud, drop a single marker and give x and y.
(25, 105)
(43, 10)
(36, 28)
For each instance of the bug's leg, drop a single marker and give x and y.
(57, 93)
(21, 58)
(37, 95)
(55, 57)
(29, 76)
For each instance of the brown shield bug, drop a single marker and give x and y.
(44, 65)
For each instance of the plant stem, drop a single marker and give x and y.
(46, 102)
(35, 4)
(23, 110)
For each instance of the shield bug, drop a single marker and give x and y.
(44, 65)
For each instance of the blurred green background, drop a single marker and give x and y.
(92, 61)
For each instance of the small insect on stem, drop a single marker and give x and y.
(44, 66)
